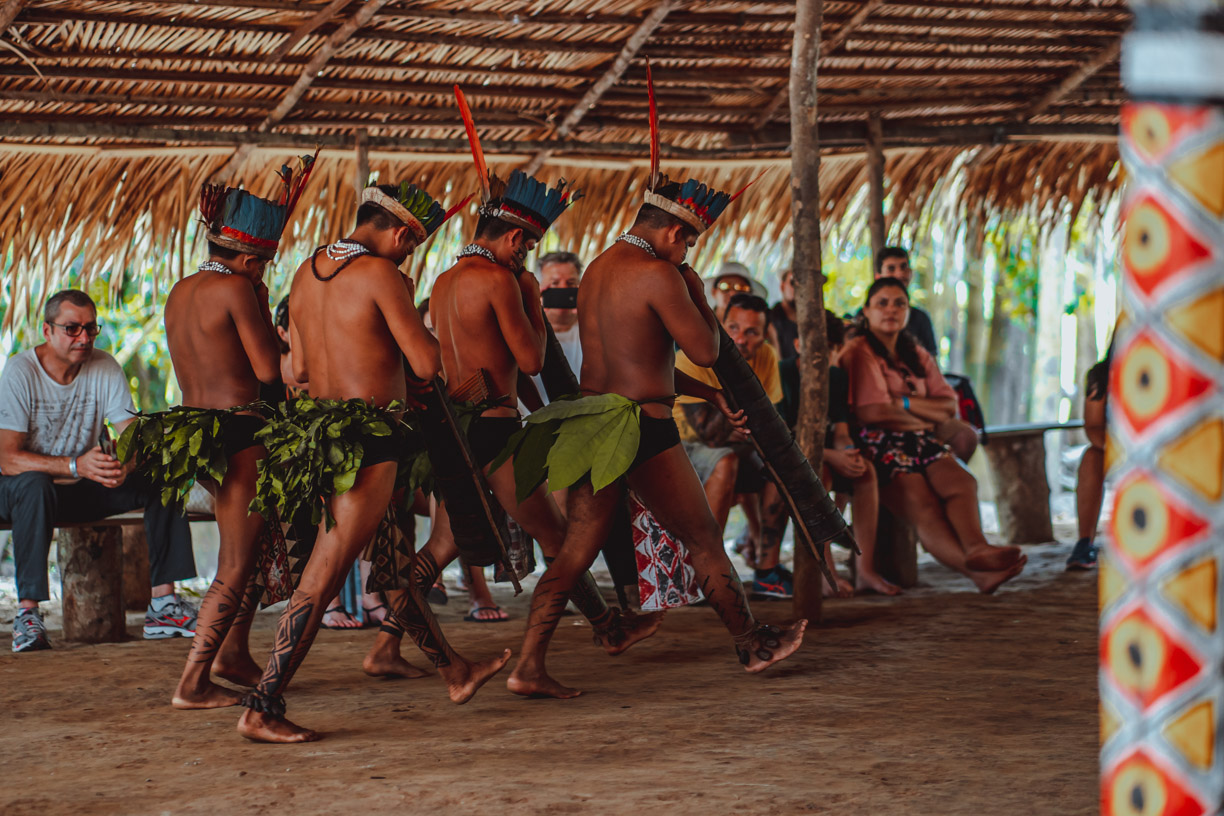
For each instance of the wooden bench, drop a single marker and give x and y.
(104, 570)
(1017, 457)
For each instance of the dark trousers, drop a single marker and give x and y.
(34, 504)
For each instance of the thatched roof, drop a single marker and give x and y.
(112, 113)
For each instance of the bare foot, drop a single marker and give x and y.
(211, 696)
(991, 559)
(390, 663)
(788, 641)
(462, 689)
(262, 728)
(242, 671)
(628, 629)
(988, 582)
(533, 684)
(844, 589)
(871, 582)
(339, 618)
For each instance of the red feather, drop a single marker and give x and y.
(212, 196)
(456, 208)
(746, 186)
(474, 140)
(654, 129)
(294, 189)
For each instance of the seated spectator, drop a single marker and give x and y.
(732, 278)
(54, 401)
(1090, 486)
(894, 262)
(783, 328)
(851, 474)
(725, 462)
(899, 397)
(562, 270)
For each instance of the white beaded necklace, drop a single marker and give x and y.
(477, 249)
(346, 248)
(215, 266)
(640, 243)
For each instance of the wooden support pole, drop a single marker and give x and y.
(835, 42)
(875, 183)
(320, 17)
(362, 175)
(602, 85)
(91, 563)
(809, 280)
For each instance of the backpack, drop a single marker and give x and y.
(967, 406)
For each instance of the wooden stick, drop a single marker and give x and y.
(585, 105)
(9, 9)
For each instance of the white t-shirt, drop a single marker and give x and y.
(571, 344)
(62, 420)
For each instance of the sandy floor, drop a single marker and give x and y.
(941, 702)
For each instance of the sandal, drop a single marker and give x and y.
(437, 594)
(369, 622)
(339, 609)
(501, 616)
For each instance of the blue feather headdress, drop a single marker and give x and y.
(237, 220)
(523, 201)
(692, 201)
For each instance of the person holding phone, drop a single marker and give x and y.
(57, 467)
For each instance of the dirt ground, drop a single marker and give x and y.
(939, 702)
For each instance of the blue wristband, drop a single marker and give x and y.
(905, 403)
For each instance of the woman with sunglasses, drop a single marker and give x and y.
(899, 396)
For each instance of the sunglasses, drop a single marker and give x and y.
(75, 329)
(728, 286)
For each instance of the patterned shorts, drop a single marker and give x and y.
(896, 452)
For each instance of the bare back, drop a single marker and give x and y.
(631, 311)
(350, 334)
(478, 313)
(219, 341)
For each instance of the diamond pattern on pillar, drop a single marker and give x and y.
(1153, 130)
(1149, 523)
(1201, 174)
(1193, 734)
(1153, 381)
(1194, 591)
(1194, 459)
(1157, 248)
(1201, 323)
(1145, 660)
(1140, 787)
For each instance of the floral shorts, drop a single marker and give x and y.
(897, 452)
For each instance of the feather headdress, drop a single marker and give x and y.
(237, 220)
(691, 201)
(419, 211)
(522, 200)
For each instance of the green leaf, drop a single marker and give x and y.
(564, 409)
(197, 439)
(530, 462)
(343, 482)
(614, 449)
(573, 454)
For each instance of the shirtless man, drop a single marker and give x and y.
(637, 300)
(223, 345)
(352, 322)
(487, 312)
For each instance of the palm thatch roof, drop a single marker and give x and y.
(113, 112)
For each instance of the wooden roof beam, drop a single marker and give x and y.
(9, 9)
(1072, 82)
(834, 42)
(602, 85)
(319, 18)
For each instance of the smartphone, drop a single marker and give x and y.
(560, 298)
(105, 442)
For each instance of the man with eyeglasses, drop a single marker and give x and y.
(733, 278)
(54, 468)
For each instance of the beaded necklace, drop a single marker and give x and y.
(640, 243)
(345, 251)
(215, 266)
(476, 249)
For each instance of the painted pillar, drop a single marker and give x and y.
(1162, 645)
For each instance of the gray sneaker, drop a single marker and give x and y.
(29, 632)
(175, 619)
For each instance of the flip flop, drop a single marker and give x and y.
(340, 608)
(471, 616)
(437, 594)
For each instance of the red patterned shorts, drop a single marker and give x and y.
(897, 452)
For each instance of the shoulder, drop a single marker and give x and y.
(21, 367)
(766, 358)
(103, 364)
(928, 360)
(855, 348)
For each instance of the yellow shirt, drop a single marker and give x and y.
(764, 364)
